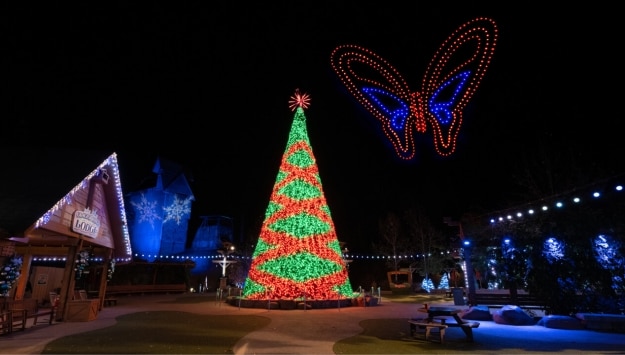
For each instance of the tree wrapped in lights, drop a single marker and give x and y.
(82, 263)
(298, 253)
(427, 284)
(444, 284)
(9, 274)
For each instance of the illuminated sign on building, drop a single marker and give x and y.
(86, 222)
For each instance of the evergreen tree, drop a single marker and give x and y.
(297, 252)
(444, 284)
(427, 284)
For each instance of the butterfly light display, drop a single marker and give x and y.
(450, 80)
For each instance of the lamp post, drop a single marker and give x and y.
(466, 253)
(469, 277)
(228, 248)
(344, 252)
(511, 258)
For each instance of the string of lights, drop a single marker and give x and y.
(183, 258)
(559, 201)
(574, 197)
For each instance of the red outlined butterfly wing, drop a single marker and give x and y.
(382, 91)
(453, 75)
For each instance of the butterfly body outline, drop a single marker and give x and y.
(401, 110)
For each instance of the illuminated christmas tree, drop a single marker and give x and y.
(427, 284)
(444, 284)
(298, 254)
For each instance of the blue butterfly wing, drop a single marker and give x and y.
(442, 107)
(452, 77)
(381, 90)
(395, 109)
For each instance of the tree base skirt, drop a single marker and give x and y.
(299, 304)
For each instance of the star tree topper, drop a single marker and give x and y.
(299, 100)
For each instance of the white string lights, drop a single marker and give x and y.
(557, 202)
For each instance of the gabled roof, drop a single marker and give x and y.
(172, 177)
(37, 198)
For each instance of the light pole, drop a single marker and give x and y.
(344, 252)
(468, 276)
(466, 253)
(228, 248)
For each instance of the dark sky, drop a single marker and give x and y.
(207, 84)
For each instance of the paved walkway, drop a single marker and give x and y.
(316, 331)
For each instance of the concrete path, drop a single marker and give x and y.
(316, 331)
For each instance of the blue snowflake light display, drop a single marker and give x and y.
(159, 222)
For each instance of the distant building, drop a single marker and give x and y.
(158, 216)
(211, 233)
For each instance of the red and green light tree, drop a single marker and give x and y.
(298, 253)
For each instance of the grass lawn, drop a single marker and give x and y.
(173, 332)
(161, 332)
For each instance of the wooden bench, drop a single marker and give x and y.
(6, 322)
(498, 300)
(423, 324)
(23, 310)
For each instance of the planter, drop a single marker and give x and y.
(82, 310)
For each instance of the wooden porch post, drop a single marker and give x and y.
(20, 285)
(67, 289)
(103, 279)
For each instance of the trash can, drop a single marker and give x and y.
(458, 295)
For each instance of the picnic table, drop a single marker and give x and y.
(466, 326)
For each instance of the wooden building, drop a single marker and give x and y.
(86, 225)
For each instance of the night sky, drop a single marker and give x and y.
(207, 85)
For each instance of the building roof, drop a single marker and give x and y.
(39, 184)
